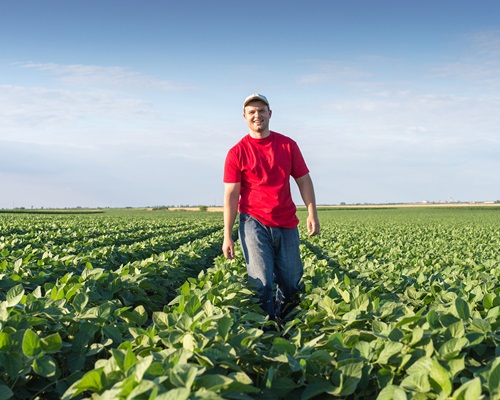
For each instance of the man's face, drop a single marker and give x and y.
(257, 115)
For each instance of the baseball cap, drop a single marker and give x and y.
(256, 96)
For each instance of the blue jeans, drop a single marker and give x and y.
(272, 256)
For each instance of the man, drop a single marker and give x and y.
(257, 175)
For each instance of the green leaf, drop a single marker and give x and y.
(488, 300)
(480, 325)
(90, 313)
(142, 315)
(13, 364)
(270, 377)
(4, 341)
(4, 313)
(494, 380)
(349, 379)
(192, 306)
(408, 320)
(493, 313)
(452, 348)
(5, 392)
(439, 375)
(80, 301)
(140, 368)
(129, 360)
(456, 365)
(104, 312)
(18, 264)
(392, 392)
(416, 335)
(243, 384)
(385, 377)
(254, 317)
(138, 316)
(283, 346)
(346, 296)
(311, 344)
(160, 319)
(184, 322)
(294, 364)
(317, 388)
(329, 305)
(175, 394)
(118, 356)
(113, 333)
(142, 388)
(462, 308)
(213, 382)
(418, 382)
(183, 376)
(14, 295)
(185, 289)
(448, 318)
(470, 390)
(31, 344)
(422, 365)
(390, 349)
(280, 388)
(45, 366)
(188, 341)
(455, 330)
(433, 319)
(51, 344)
(396, 335)
(92, 381)
(85, 334)
(224, 326)
(361, 302)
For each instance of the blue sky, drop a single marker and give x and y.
(127, 103)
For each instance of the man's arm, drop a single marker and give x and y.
(231, 197)
(306, 189)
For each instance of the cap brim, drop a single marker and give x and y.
(255, 98)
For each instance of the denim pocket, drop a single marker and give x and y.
(245, 217)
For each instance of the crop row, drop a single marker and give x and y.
(60, 312)
(85, 234)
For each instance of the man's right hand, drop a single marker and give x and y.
(228, 248)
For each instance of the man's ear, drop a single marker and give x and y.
(270, 113)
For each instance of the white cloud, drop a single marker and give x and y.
(487, 43)
(44, 115)
(480, 65)
(106, 139)
(102, 77)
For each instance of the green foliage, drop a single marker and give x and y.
(396, 304)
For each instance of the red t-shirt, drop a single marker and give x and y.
(264, 167)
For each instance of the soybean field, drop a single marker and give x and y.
(397, 303)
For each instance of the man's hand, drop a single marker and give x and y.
(307, 192)
(312, 225)
(228, 248)
(231, 197)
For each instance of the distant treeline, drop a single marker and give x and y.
(20, 211)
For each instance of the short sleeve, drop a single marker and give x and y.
(299, 166)
(232, 170)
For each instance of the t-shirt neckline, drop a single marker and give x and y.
(262, 140)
